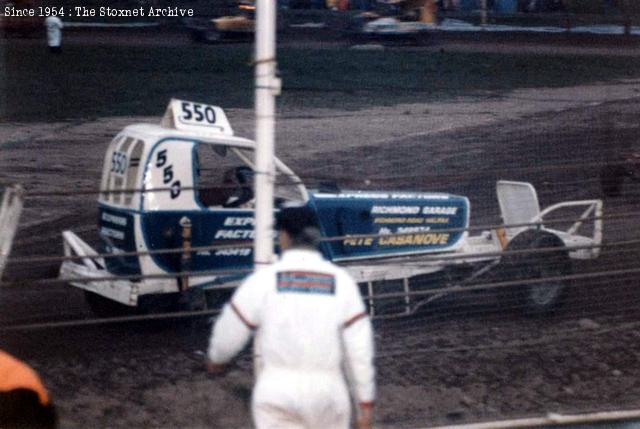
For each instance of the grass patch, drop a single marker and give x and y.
(95, 81)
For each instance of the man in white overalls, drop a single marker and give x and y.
(54, 27)
(310, 324)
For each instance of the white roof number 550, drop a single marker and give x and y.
(187, 115)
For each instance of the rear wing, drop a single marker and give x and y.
(520, 210)
(12, 202)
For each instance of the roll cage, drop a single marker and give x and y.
(130, 175)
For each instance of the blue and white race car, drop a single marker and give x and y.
(176, 215)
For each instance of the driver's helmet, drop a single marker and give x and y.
(241, 176)
(244, 175)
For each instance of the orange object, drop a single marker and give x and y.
(15, 374)
(428, 12)
(502, 237)
(343, 4)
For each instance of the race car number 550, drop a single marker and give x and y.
(201, 117)
(195, 113)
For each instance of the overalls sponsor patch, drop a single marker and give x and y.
(306, 282)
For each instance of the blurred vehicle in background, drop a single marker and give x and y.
(541, 6)
(403, 21)
(239, 27)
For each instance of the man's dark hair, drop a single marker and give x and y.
(300, 223)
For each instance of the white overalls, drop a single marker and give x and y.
(54, 28)
(310, 321)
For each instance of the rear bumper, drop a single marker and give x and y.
(92, 266)
(122, 291)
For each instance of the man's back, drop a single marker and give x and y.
(305, 303)
(302, 309)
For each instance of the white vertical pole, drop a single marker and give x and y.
(10, 210)
(267, 87)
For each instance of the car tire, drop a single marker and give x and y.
(147, 304)
(217, 298)
(536, 299)
(611, 178)
(105, 307)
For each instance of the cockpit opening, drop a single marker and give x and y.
(223, 179)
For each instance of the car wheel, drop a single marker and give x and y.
(548, 267)
(611, 178)
(216, 298)
(105, 307)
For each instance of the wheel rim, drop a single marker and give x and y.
(545, 294)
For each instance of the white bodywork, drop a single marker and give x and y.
(388, 25)
(136, 144)
(519, 206)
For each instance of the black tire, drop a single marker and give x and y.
(217, 298)
(611, 178)
(147, 304)
(105, 307)
(536, 299)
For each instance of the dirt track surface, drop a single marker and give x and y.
(466, 360)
